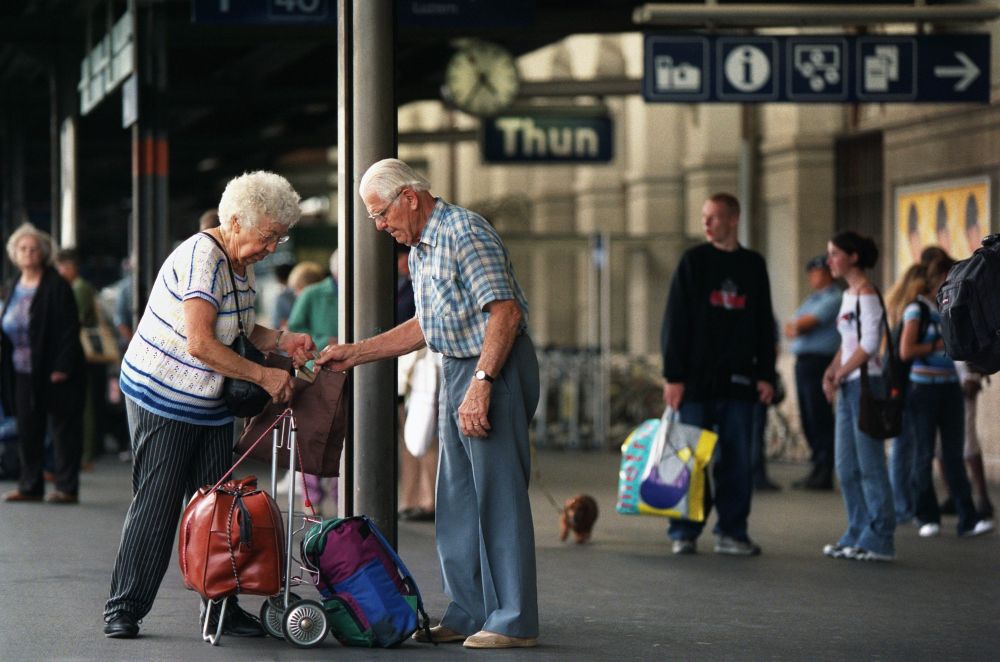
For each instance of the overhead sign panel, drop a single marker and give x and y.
(466, 13)
(547, 138)
(817, 68)
(264, 11)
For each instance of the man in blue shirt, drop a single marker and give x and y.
(470, 309)
(815, 341)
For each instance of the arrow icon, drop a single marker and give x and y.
(967, 73)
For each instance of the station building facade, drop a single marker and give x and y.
(803, 171)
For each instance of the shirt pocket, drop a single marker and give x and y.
(442, 296)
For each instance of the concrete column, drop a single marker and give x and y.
(374, 384)
(712, 157)
(554, 260)
(655, 216)
(797, 190)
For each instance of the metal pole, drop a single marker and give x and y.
(373, 269)
(345, 228)
(601, 430)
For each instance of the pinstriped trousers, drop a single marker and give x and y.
(171, 460)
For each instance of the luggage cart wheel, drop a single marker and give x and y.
(305, 623)
(272, 614)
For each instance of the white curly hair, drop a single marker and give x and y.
(27, 229)
(388, 177)
(256, 194)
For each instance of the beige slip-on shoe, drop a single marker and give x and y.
(439, 634)
(484, 639)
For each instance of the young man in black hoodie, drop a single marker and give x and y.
(718, 360)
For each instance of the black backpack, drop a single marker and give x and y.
(897, 337)
(969, 302)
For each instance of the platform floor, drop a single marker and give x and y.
(621, 597)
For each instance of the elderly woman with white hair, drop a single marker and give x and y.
(42, 368)
(172, 375)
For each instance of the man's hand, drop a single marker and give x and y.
(473, 413)
(339, 357)
(830, 383)
(673, 395)
(765, 392)
(299, 346)
(278, 383)
(791, 329)
(58, 377)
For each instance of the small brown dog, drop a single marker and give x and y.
(578, 516)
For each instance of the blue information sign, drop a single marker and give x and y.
(817, 68)
(547, 138)
(264, 11)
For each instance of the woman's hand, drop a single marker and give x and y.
(278, 383)
(299, 346)
(830, 383)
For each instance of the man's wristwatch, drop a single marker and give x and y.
(483, 377)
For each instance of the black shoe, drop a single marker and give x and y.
(766, 485)
(238, 623)
(122, 626)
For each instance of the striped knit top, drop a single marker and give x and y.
(157, 372)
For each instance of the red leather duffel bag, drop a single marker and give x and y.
(232, 541)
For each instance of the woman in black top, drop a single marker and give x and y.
(41, 368)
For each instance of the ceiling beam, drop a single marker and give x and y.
(689, 15)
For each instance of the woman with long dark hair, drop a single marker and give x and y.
(859, 458)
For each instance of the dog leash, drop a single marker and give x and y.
(538, 478)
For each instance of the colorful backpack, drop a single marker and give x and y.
(369, 596)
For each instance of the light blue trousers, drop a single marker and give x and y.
(485, 536)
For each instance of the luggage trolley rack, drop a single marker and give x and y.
(301, 622)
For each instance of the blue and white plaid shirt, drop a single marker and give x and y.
(459, 266)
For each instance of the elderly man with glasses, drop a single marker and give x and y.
(472, 311)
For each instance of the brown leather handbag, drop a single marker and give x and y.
(232, 541)
(320, 411)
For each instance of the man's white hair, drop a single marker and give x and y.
(27, 229)
(388, 177)
(256, 194)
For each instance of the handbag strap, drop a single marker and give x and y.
(865, 384)
(286, 413)
(232, 279)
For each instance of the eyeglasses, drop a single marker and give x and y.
(271, 238)
(380, 215)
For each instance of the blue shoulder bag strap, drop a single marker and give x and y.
(407, 576)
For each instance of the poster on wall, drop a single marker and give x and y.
(953, 214)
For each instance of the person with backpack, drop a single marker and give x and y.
(859, 458)
(935, 404)
(910, 289)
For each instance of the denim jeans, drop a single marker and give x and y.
(933, 408)
(901, 463)
(731, 469)
(864, 480)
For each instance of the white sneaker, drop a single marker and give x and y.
(868, 555)
(981, 527)
(930, 530)
(839, 551)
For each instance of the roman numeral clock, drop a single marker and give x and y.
(481, 78)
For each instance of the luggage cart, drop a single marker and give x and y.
(301, 622)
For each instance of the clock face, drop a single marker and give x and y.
(481, 79)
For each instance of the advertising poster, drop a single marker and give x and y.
(953, 214)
